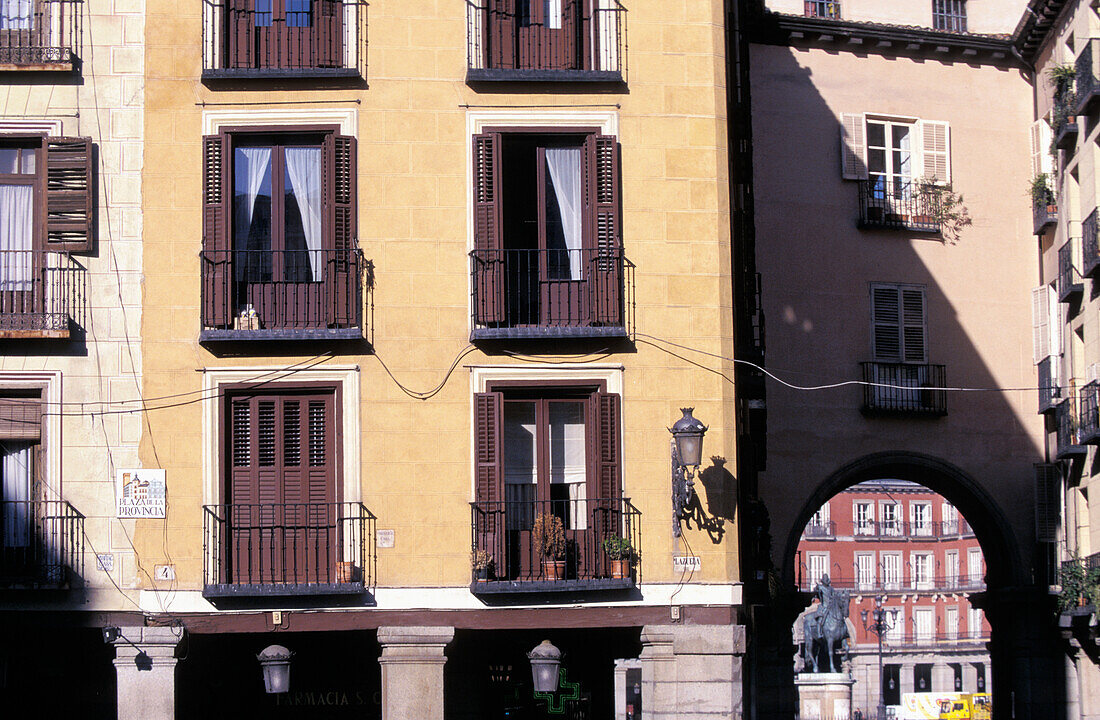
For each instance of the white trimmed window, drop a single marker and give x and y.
(974, 565)
(865, 571)
(951, 568)
(817, 566)
(924, 623)
(920, 519)
(891, 571)
(891, 520)
(921, 567)
(892, 152)
(1046, 338)
(863, 518)
(952, 622)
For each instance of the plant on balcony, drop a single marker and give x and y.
(945, 207)
(482, 563)
(622, 555)
(1080, 585)
(548, 538)
(1041, 192)
(1062, 77)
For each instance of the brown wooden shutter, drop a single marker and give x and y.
(608, 439)
(339, 187)
(500, 32)
(914, 335)
(70, 206)
(488, 445)
(605, 228)
(215, 232)
(1048, 485)
(21, 418)
(488, 263)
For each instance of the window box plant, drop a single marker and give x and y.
(482, 564)
(622, 555)
(548, 538)
(944, 207)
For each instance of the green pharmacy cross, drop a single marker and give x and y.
(567, 691)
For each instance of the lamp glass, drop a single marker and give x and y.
(545, 675)
(690, 447)
(277, 676)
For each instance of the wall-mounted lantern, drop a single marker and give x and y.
(545, 661)
(275, 661)
(687, 456)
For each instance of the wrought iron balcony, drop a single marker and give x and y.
(550, 293)
(503, 530)
(904, 389)
(254, 549)
(1064, 121)
(1049, 392)
(1069, 428)
(1088, 87)
(897, 206)
(284, 294)
(1090, 245)
(822, 9)
(905, 530)
(1044, 214)
(40, 35)
(1070, 286)
(41, 545)
(1089, 419)
(903, 582)
(573, 41)
(820, 531)
(43, 295)
(284, 39)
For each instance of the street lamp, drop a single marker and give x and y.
(545, 661)
(275, 661)
(687, 456)
(880, 620)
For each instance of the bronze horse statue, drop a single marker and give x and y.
(826, 627)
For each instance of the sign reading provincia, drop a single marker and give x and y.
(140, 493)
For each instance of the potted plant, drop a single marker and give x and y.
(1042, 195)
(548, 537)
(622, 555)
(481, 562)
(944, 207)
(1080, 587)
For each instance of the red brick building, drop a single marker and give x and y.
(909, 548)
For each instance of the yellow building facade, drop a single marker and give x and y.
(425, 287)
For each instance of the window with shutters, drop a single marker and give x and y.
(546, 40)
(1046, 323)
(921, 568)
(547, 258)
(282, 526)
(553, 451)
(898, 379)
(891, 571)
(951, 569)
(890, 518)
(284, 38)
(863, 518)
(280, 253)
(900, 163)
(45, 213)
(920, 519)
(39, 34)
(865, 571)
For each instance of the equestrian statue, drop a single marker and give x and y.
(825, 630)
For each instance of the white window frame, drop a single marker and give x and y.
(897, 632)
(951, 568)
(930, 145)
(951, 622)
(891, 580)
(816, 561)
(974, 619)
(864, 525)
(924, 624)
(920, 527)
(974, 570)
(949, 516)
(865, 571)
(891, 527)
(922, 569)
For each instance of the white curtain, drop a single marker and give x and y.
(16, 231)
(568, 456)
(520, 467)
(16, 14)
(304, 167)
(565, 173)
(15, 464)
(553, 14)
(257, 165)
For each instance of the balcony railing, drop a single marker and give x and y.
(40, 35)
(904, 389)
(1089, 418)
(41, 544)
(822, 9)
(904, 583)
(575, 40)
(288, 549)
(820, 530)
(1049, 392)
(905, 530)
(503, 530)
(1090, 245)
(1069, 428)
(42, 294)
(1063, 121)
(1087, 85)
(917, 638)
(284, 294)
(1044, 214)
(897, 206)
(550, 293)
(311, 38)
(1070, 285)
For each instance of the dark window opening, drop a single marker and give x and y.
(949, 15)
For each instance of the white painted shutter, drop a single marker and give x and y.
(1040, 323)
(1046, 162)
(853, 147)
(935, 146)
(1036, 148)
(1054, 315)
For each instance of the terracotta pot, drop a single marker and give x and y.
(620, 569)
(346, 572)
(553, 569)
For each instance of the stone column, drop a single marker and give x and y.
(412, 671)
(970, 677)
(145, 666)
(906, 678)
(692, 671)
(943, 678)
(621, 685)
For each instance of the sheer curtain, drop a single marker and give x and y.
(564, 165)
(520, 469)
(257, 164)
(15, 464)
(16, 231)
(568, 456)
(16, 14)
(303, 164)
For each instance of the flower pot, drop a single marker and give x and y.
(346, 572)
(481, 574)
(620, 569)
(553, 569)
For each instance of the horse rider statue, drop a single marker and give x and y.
(826, 625)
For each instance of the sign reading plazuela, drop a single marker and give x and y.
(140, 493)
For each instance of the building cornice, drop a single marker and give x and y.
(1034, 27)
(774, 28)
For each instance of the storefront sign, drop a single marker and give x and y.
(141, 494)
(684, 563)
